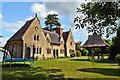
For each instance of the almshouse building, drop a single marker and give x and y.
(33, 41)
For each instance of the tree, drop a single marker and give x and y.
(98, 17)
(78, 45)
(84, 51)
(52, 20)
(115, 47)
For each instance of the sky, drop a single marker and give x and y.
(13, 16)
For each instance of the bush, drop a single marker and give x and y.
(72, 55)
(78, 53)
(118, 59)
(37, 57)
(84, 51)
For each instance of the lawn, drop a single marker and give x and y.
(63, 69)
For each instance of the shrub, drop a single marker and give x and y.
(78, 53)
(85, 52)
(118, 59)
(72, 55)
(37, 57)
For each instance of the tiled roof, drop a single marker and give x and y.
(54, 36)
(18, 35)
(95, 41)
(65, 35)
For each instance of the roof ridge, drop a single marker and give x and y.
(18, 35)
(50, 32)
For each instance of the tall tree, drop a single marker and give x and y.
(98, 17)
(51, 21)
(115, 47)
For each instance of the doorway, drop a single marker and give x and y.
(27, 55)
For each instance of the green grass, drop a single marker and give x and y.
(63, 69)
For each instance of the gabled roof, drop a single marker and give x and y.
(95, 41)
(18, 35)
(65, 35)
(54, 36)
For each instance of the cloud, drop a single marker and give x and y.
(61, 8)
(12, 26)
(77, 40)
(29, 18)
(39, 8)
(1, 16)
(3, 41)
(64, 8)
(52, 12)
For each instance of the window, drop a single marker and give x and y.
(48, 51)
(71, 43)
(40, 50)
(70, 50)
(34, 37)
(62, 51)
(38, 38)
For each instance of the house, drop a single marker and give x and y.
(33, 41)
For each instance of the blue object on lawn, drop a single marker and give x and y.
(18, 60)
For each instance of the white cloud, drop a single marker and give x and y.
(29, 18)
(52, 12)
(77, 40)
(3, 41)
(1, 16)
(40, 9)
(12, 26)
(61, 8)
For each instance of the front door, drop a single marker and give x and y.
(27, 55)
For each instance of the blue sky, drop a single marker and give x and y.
(15, 14)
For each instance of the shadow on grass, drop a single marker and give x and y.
(106, 61)
(79, 59)
(39, 73)
(31, 73)
(104, 71)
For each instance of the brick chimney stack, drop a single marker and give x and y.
(59, 31)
